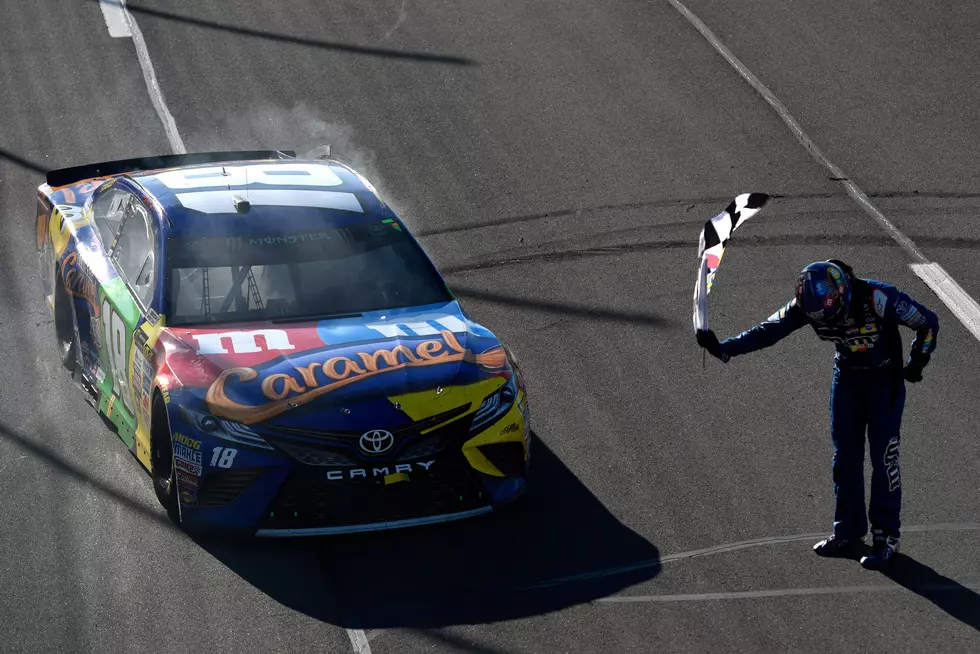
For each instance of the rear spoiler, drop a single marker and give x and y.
(64, 176)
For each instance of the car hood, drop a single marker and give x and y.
(316, 371)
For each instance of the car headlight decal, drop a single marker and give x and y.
(496, 405)
(227, 430)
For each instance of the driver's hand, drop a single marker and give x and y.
(708, 340)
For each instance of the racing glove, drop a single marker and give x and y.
(913, 369)
(708, 340)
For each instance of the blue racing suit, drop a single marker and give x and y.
(868, 393)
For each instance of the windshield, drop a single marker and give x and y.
(298, 275)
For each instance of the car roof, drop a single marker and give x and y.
(281, 196)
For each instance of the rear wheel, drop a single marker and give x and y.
(162, 460)
(64, 325)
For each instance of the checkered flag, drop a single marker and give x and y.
(711, 248)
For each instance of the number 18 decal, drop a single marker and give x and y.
(223, 457)
(115, 340)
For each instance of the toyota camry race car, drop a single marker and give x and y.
(274, 346)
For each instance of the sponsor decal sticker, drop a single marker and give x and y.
(188, 442)
(191, 468)
(857, 342)
(312, 376)
(184, 453)
(79, 283)
(243, 342)
(141, 340)
(291, 239)
(188, 480)
(880, 301)
(909, 314)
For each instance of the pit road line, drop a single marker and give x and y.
(946, 289)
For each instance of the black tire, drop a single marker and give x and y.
(64, 325)
(163, 474)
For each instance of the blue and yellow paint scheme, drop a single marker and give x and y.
(390, 419)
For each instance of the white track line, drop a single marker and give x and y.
(728, 547)
(359, 640)
(786, 592)
(149, 74)
(961, 304)
(115, 19)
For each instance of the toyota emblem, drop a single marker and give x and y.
(377, 441)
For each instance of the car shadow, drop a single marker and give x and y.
(537, 556)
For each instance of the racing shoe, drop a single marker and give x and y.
(883, 549)
(836, 546)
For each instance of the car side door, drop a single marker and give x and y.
(126, 300)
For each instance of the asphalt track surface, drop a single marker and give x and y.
(557, 161)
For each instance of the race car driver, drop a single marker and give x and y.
(861, 318)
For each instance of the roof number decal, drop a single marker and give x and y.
(273, 175)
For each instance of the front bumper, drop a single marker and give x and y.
(304, 493)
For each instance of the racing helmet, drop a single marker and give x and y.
(823, 291)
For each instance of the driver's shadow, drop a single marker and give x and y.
(952, 597)
(529, 559)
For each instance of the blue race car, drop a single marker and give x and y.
(274, 346)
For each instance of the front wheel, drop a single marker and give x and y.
(162, 461)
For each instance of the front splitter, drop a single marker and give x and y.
(375, 526)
